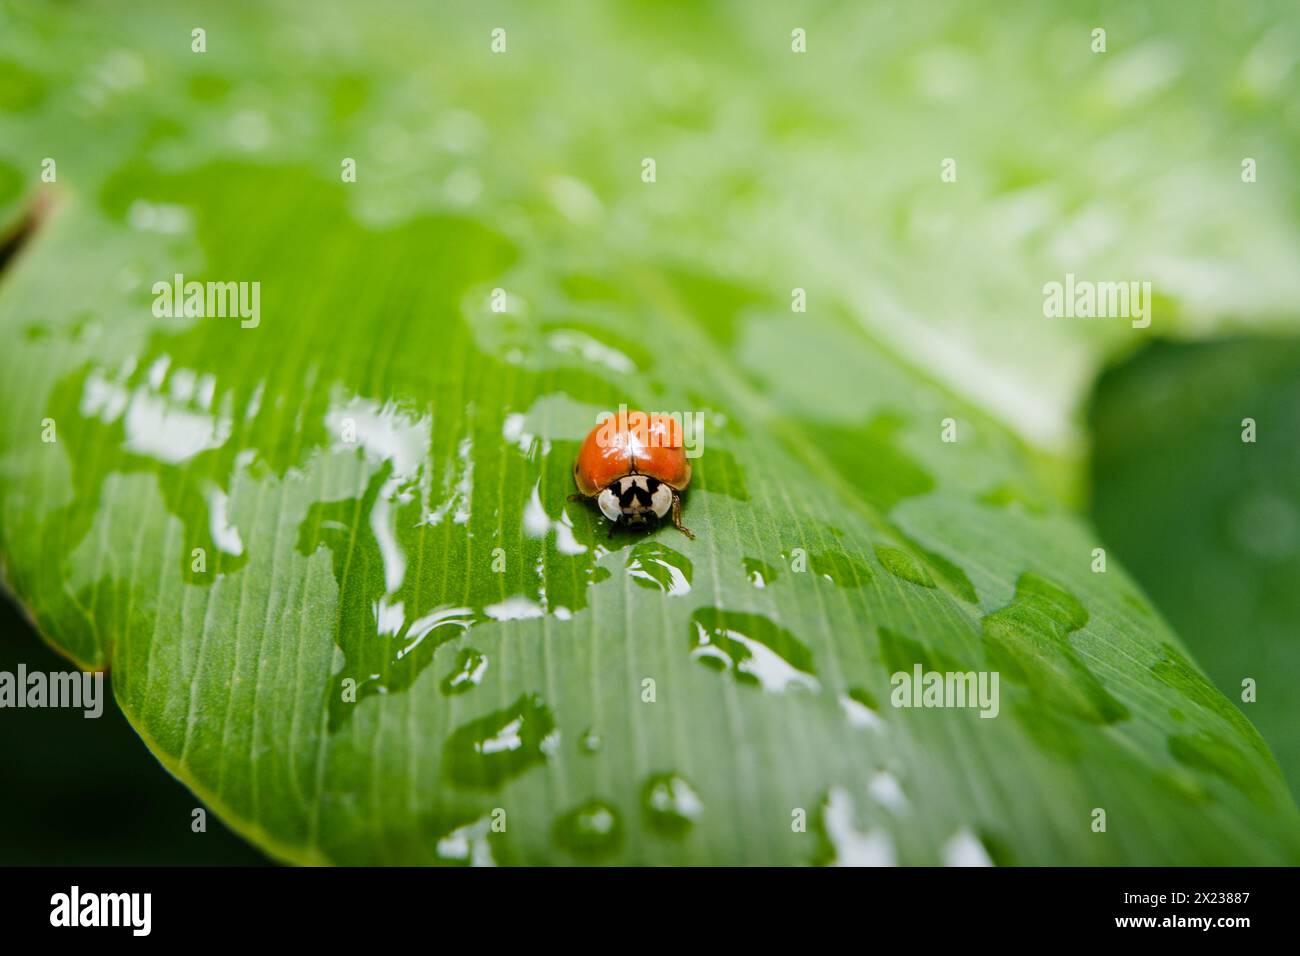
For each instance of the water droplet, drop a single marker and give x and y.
(384, 431)
(903, 565)
(163, 218)
(850, 846)
(886, 791)
(752, 648)
(1012, 497)
(514, 433)
(591, 742)
(459, 131)
(964, 849)
(840, 569)
(658, 567)
(155, 425)
(670, 805)
(860, 709)
(944, 572)
(467, 673)
(486, 752)
(515, 608)
(1029, 643)
(463, 186)
(250, 130)
(760, 575)
(461, 493)
(589, 831)
(590, 350)
(1215, 755)
(468, 844)
(574, 199)
(537, 523)
(419, 630)
(224, 534)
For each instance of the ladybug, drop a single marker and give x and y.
(635, 466)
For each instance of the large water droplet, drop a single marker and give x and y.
(467, 673)
(760, 575)
(885, 789)
(590, 831)
(517, 607)
(468, 844)
(752, 648)
(965, 849)
(1014, 498)
(902, 565)
(859, 709)
(486, 752)
(848, 845)
(840, 569)
(670, 805)
(949, 575)
(537, 524)
(590, 350)
(658, 567)
(1029, 643)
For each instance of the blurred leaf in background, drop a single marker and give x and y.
(1196, 471)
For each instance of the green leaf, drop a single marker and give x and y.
(330, 559)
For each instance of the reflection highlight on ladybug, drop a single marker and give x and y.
(635, 466)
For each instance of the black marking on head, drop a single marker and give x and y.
(635, 491)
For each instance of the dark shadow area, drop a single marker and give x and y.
(87, 792)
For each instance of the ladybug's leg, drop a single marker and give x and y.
(677, 517)
(577, 497)
(612, 526)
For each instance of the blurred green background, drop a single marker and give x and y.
(1209, 524)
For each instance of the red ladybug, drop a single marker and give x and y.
(634, 465)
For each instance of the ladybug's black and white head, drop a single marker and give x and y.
(634, 498)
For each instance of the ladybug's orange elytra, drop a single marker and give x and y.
(635, 465)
